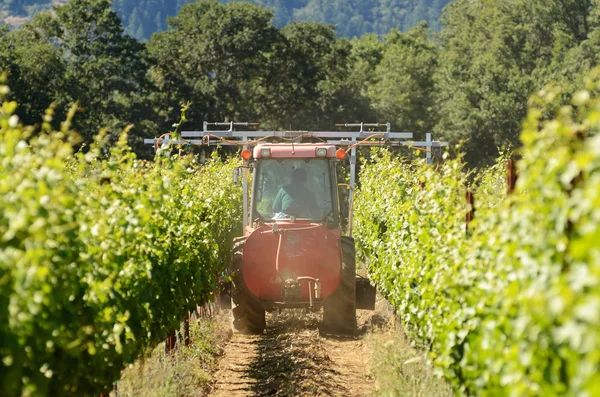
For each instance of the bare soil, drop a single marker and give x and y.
(293, 358)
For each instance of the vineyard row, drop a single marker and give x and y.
(101, 255)
(510, 307)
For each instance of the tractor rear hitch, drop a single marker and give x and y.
(291, 293)
(291, 290)
(316, 285)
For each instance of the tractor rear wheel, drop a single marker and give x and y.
(339, 309)
(248, 312)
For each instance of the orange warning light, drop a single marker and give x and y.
(340, 154)
(246, 154)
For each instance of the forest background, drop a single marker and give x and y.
(353, 18)
(464, 73)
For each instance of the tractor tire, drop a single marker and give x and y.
(247, 311)
(339, 309)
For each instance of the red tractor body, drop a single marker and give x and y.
(293, 260)
(293, 254)
(299, 252)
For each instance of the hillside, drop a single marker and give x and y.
(353, 18)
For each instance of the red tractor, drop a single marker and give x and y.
(293, 253)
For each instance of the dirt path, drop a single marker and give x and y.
(292, 358)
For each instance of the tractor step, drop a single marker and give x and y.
(365, 294)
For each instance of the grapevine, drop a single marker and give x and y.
(513, 306)
(101, 254)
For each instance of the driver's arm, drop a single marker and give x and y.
(277, 204)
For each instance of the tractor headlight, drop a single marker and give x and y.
(265, 152)
(321, 152)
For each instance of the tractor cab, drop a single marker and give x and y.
(295, 182)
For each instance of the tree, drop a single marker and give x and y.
(403, 90)
(35, 72)
(106, 71)
(311, 86)
(215, 57)
(494, 55)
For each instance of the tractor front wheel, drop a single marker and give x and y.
(339, 309)
(248, 311)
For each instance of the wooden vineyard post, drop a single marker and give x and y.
(186, 330)
(511, 176)
(170, 342)
(471, 213)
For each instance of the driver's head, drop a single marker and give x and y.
(298, 175)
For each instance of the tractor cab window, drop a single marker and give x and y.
(290, 187)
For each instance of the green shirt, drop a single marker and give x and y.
(296, 200)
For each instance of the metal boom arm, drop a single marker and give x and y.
(244, 139)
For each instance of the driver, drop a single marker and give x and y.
(296, 199)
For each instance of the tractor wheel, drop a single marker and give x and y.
(339, 309)
(248, 311)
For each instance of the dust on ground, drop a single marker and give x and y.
(293, 358)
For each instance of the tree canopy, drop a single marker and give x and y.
(230, 61)
(495, 54)
(81, 55)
